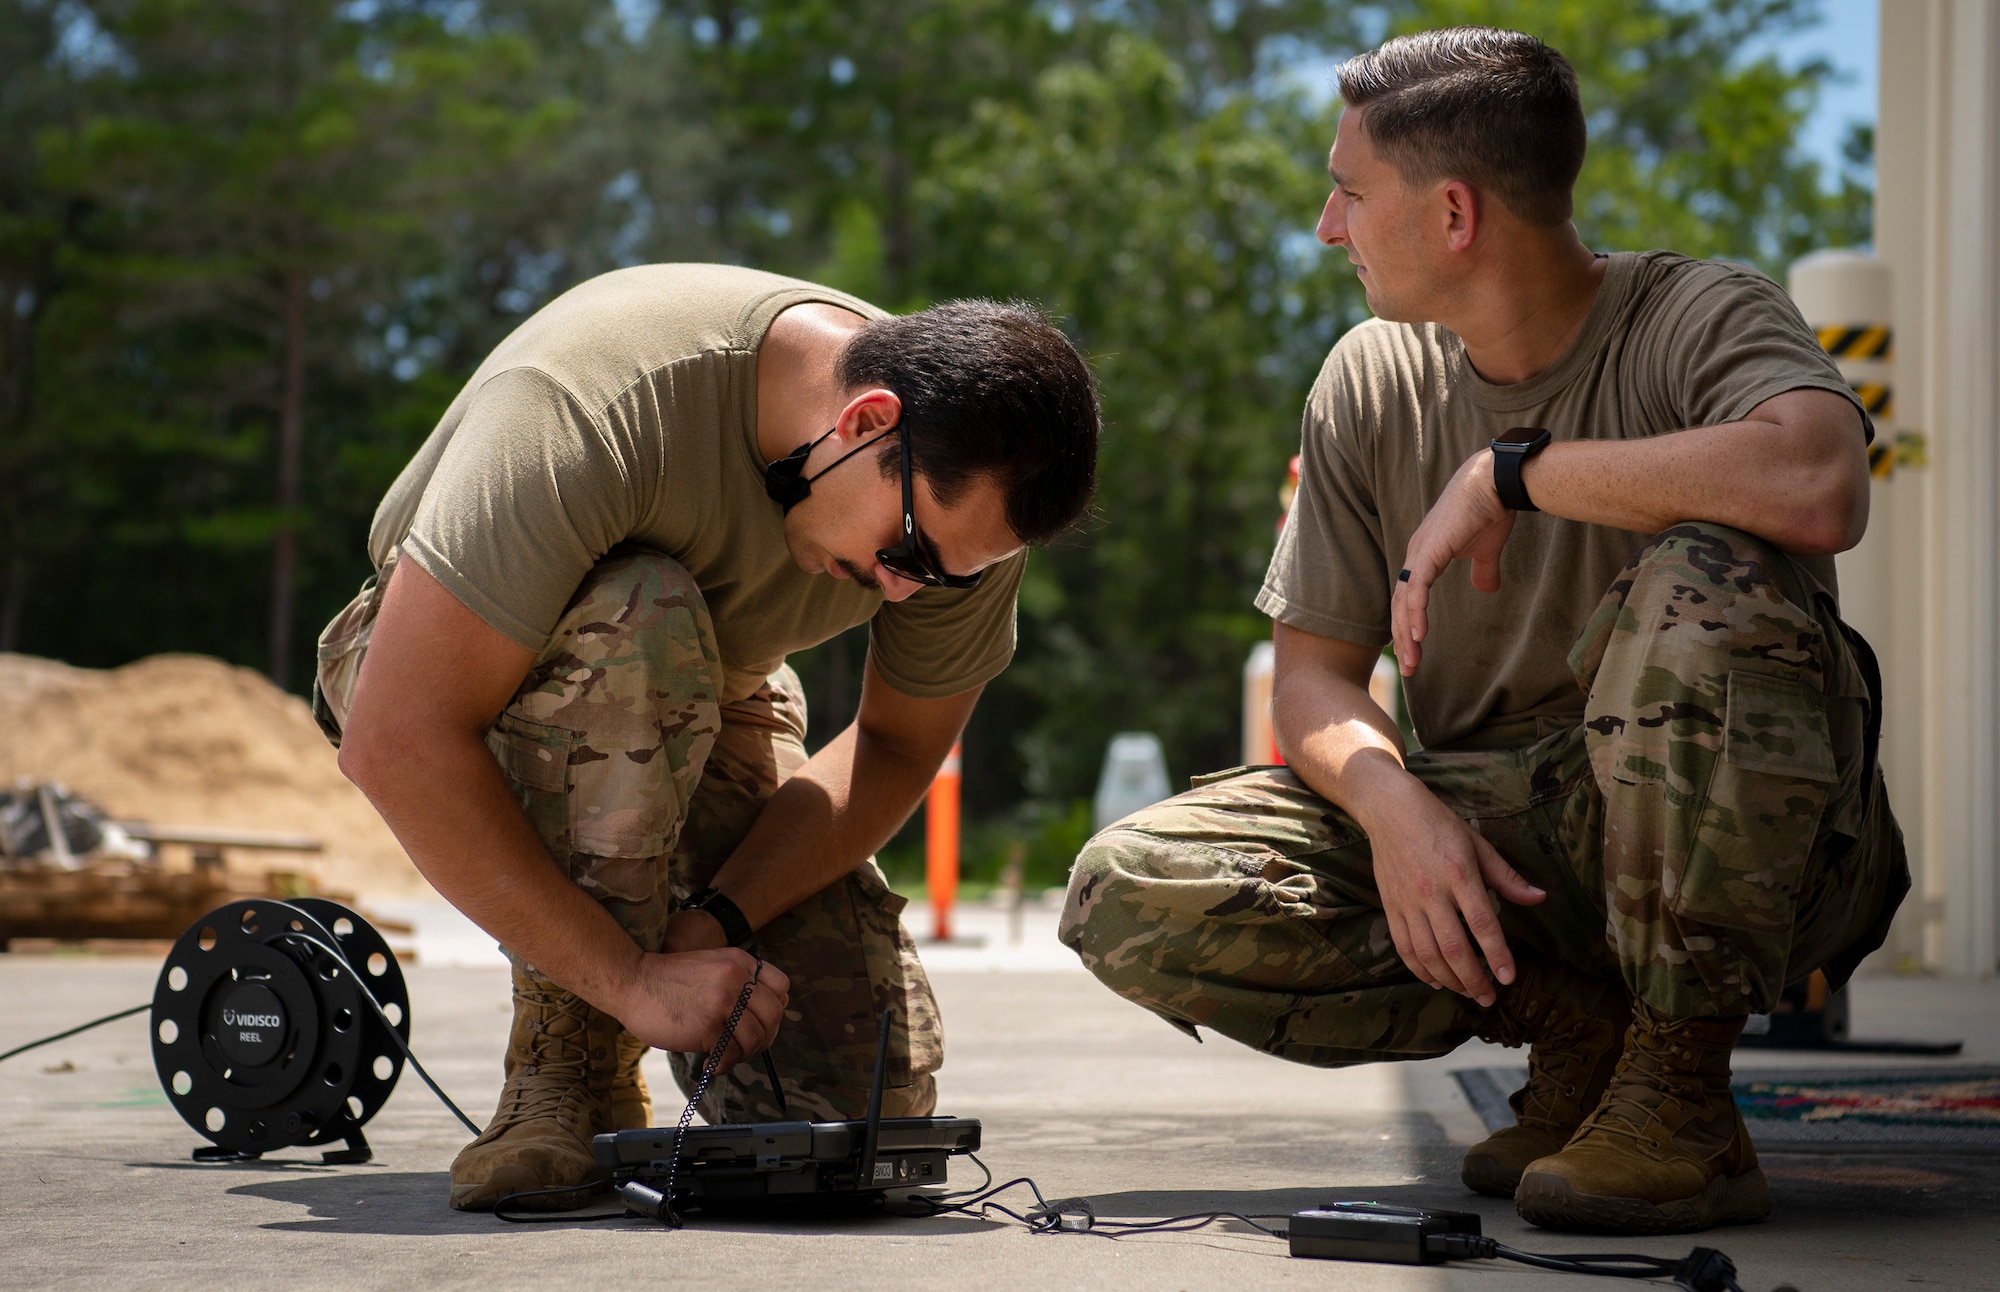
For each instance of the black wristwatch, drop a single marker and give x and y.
(1510, 452)
(727, 913)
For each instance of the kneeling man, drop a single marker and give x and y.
(1592, 501)
(565, 689)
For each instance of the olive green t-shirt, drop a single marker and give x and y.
(1670, 343)
(624, 412)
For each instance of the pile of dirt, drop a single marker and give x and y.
(185, 740)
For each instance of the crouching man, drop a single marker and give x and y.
(565, 689)
(1592, 501)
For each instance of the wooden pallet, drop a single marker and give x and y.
(122, 900)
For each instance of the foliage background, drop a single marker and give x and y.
(225, 220)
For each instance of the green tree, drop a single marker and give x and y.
(38, 93)
(1168, 227)
(264, 179)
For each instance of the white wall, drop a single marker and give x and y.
(1937, 225)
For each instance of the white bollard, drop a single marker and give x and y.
(1260, 744)
(1134, 776)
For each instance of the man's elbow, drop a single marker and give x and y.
(366, 758)
(1830, 518)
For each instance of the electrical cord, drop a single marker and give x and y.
(95, 1022)
(668, 1216)
(1703, 1270)
(394, 1035)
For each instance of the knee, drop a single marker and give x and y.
(631, 587)
(1702, 596)
(639, 613)
(1104, 881)
(1701, 561)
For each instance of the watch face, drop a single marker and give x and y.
(1520, 435)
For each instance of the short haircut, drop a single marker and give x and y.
(1498, 109)
(990, 391)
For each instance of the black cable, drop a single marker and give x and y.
(1186, 1224)
(1610, 1266)
(938, 1206)
(668, 1216)
(1704, 1269)
(984, 1169)
(96, 1022)
(560, 1218)
(394, 1035)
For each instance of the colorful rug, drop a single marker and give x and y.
(1829, 1109)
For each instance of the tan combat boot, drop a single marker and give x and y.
(1575, 1029)
(1666, 1151)
(561, 1058)
(631, 1102)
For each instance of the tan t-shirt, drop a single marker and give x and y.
(625, 412)
(1670, 343)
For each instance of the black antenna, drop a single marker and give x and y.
(872, 1135)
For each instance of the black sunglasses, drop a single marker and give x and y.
(913, 558)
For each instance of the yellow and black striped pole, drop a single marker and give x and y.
(1844, 296)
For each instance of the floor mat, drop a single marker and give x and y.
(1846, 1108)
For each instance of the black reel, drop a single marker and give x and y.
(264, 1038)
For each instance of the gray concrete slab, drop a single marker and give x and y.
(1076, 1088)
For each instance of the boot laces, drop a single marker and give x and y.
(1653, 1088)
(559, 1061)
(1557, 1064)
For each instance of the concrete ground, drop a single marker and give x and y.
(1083, 1092)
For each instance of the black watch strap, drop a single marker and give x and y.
(727, 913)
(1510, 452)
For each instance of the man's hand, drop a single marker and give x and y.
(1468, 522)
(1433, 871)
(680, 1002)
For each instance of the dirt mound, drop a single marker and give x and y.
(185, 740)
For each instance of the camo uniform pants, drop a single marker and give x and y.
(1715, 828)
(641, 784)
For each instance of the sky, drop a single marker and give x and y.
(1847, 36)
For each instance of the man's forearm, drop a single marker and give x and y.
(1334, 736)
(1802, 487)
(846, 802)
(455, 815)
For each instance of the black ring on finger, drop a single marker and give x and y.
(1403, 576)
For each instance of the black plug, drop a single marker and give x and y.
(643, 1199)
(1706, 1270)
(1460, 1247)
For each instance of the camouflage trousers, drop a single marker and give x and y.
(1714, 828)
(641, 783)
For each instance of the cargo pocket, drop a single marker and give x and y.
(535, 760)
(624, 803)
(1762, 811)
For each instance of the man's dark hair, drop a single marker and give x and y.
(1498, 109)
(990, 392)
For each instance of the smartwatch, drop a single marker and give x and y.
(1510, 452)
(728, 914)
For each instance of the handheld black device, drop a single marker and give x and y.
(838, 1164)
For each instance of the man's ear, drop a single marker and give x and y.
(872, 412)
(1463, 213)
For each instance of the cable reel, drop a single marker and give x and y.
(272, 1027)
